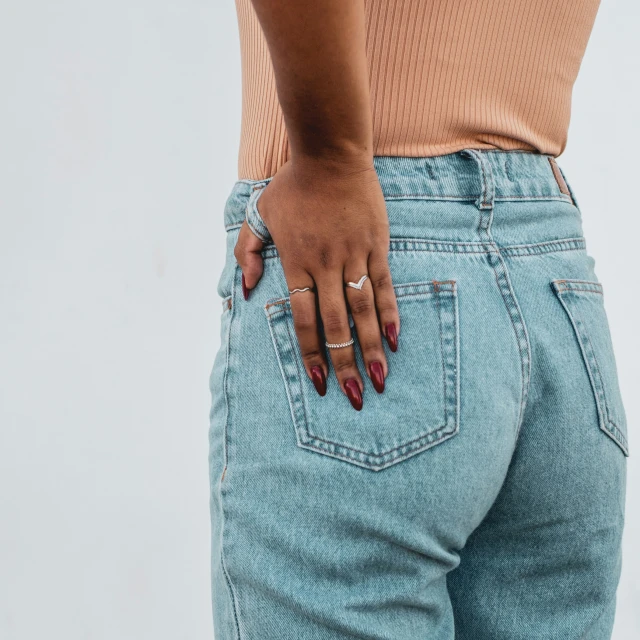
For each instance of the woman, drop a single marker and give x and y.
(417, 430)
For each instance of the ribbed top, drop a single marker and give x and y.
(445, 75)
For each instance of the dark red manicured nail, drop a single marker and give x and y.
(377, 376)
(392, 336)
(245, 289)
(353, 393)
(318, 379)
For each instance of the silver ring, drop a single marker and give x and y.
(358, 285)
(339, 345)
(292, 291)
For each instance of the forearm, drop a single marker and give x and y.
(318, 52)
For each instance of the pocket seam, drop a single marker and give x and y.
(350, 453)
(606, 423)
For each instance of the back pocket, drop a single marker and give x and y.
(584, 304)
(420, 405)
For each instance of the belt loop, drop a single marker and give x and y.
(253, 217)
(486, 199)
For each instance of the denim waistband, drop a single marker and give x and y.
(469, 175)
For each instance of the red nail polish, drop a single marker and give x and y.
(318, 379)
(377, 376)
(245, 290)
(392, 336)
(353, 393)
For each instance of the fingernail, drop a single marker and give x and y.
(318, 379)
(392, 336)
(353, 393)
(245, 289)
(377, 376)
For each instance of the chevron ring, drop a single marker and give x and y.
(358, 285)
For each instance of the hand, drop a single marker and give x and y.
(330, 226)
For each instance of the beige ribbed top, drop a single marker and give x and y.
(445, 75)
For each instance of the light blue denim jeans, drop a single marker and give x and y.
(481, 496)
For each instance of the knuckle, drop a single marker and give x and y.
(344, 365)
(304, 320)
(361, 305)
(333, 322)
(311, 355)
(386, 307)
(370, 345)
(382, 281)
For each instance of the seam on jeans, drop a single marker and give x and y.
(223, 564)
(523, 394)
(366, 459)
(444, 375)
(270, 252)
(449, 288)
(582, 334)
(473, 196)
(571, 291)
(304, 404)
(485, 185)
(525, 369)
(564, 244)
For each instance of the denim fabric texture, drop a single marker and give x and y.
(481, 496)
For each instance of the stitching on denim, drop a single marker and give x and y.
(376, 462)
(473, 196)
(549, 197)
(425, 289)
(401, 245)
(591, 362)
(465, 197)
(445, 398)
(575, 291)
(370, 460)
(561, 241)
(578, 286)
(300, 390)
(389, 452)
(552, 246)
(437, 242)
(485, 184)
(510, 300)
(525, 377)
(272, 331)
(223, 564)
(570, 281)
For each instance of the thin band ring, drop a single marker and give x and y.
(358, 285)
(339, 345)
(292, 291)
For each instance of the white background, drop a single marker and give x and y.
(119, 127)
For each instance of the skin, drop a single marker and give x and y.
(324, 208)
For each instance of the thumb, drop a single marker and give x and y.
(248, 253)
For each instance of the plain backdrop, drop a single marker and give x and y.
(119, 127)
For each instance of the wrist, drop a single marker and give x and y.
(336, 161)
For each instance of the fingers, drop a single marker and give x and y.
(385, 297)
(305, 323)
(248, 253)
(363, 309)
(333, 310)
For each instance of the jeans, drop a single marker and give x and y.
(481, 496)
